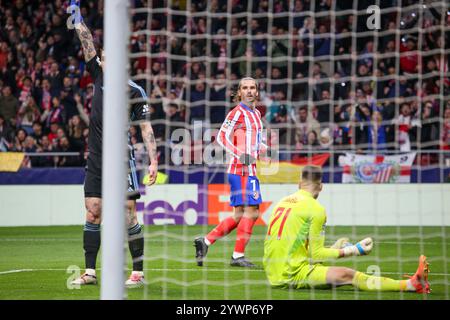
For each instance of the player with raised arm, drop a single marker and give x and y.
(241, 136)
(294, 247)
(93, 182)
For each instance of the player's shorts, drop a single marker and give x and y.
(310, 276)
(245, 190)
(93, 179)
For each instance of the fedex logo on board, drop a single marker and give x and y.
(174, 204)
(192, 204)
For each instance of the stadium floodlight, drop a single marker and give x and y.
(114, 148)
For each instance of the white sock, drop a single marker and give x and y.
(207, 242)
(409, 286)
(90, 272)
(139, 273)
(237, 255)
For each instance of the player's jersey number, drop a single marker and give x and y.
(281, 212)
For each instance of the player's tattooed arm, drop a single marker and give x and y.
(150, 142)
(86, 40)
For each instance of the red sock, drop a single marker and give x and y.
(244, 231)
(225, 227)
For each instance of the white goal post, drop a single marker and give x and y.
(114, 149)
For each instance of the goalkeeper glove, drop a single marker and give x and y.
(246, 159)
(78, 17)
(360, 249)
(341, 243)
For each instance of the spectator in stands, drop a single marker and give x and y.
(30, 146)
(44, 95)
(304, 125)
(52, 135)
(68, 103)
(66, 161)
(135, 134)
(322, 45)
(325, 139)
(6, 135)
(409, 61)
(75, 133)
(280, 49)
(55, 77)
(197, 101)
(323, 108)
(377, 133)
(9, 104)
(428, 127)
(445, 137)
(277, 81)
(19, 141)
(55, 115)
(37, 133)
(405, 123)
(320, 84)
(174, 117)
(218, 97)
(362, 126)
(28, 114)
(274, 105)
(45, 146)
(82, 111)
(312, 140)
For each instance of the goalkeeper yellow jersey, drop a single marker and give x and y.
(295, 238)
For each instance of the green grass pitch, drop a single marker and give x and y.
(34, 262)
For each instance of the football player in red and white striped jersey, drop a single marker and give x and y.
(241, 136)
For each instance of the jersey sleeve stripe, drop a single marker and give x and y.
(223, 137)
(135, 85)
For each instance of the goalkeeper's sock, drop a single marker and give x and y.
(136, 245)
(91, 243)
(244, 232)
(366, 282)
(225, 227)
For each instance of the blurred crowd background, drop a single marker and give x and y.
(327, 83)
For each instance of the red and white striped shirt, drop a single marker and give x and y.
(240, 133)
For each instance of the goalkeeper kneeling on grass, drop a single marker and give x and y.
(295, 243)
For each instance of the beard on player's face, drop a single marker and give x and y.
(248, 97)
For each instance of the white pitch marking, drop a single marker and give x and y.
(189, 270)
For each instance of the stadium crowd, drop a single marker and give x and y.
(320, 86)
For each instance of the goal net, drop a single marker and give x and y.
(360, 88)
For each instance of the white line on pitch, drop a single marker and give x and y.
(205, 270)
